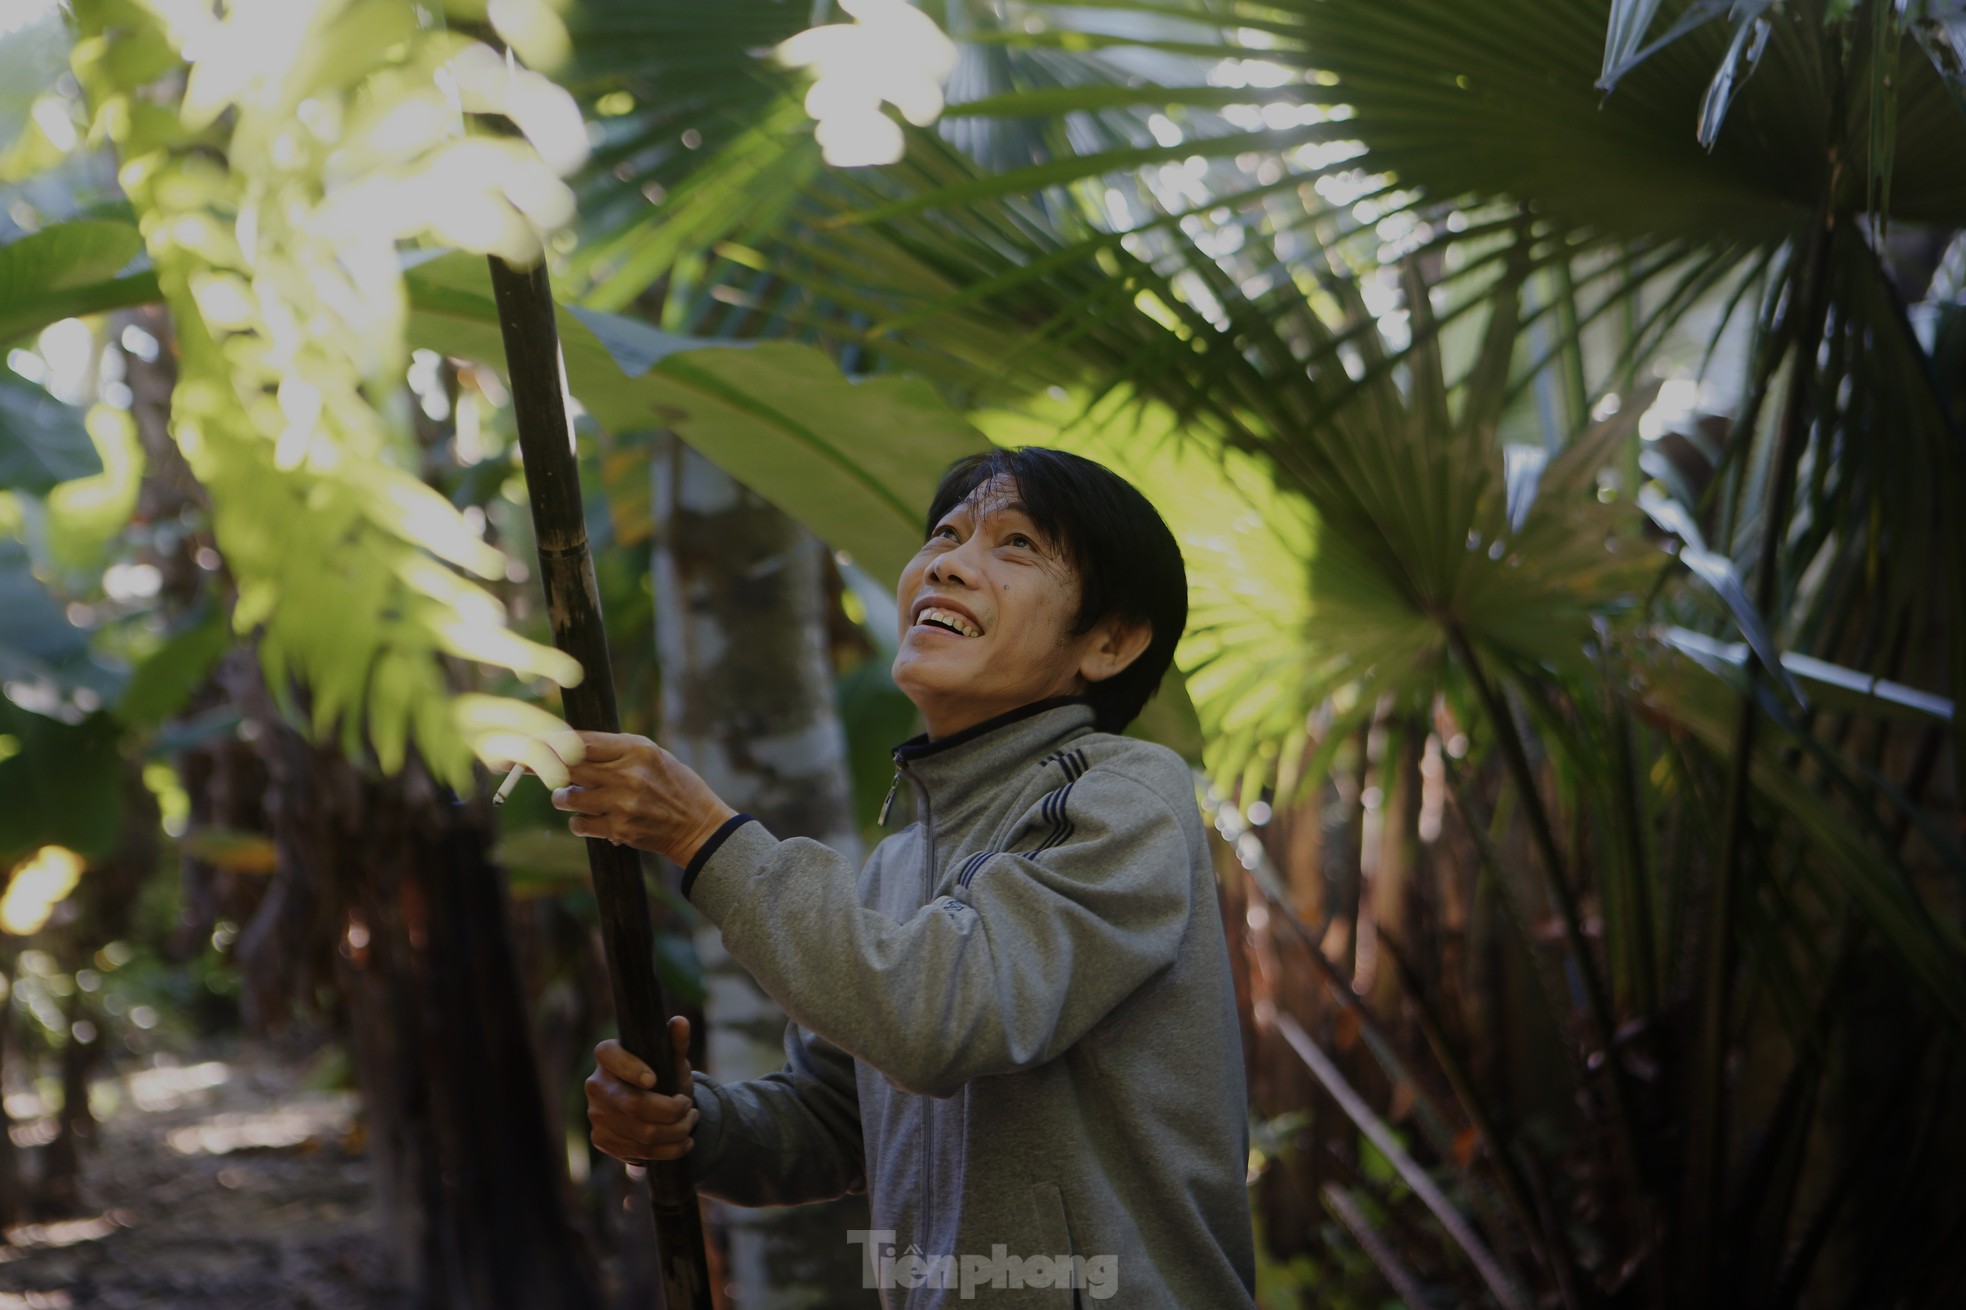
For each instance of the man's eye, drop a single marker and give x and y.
(1019, 539)
(944, 531)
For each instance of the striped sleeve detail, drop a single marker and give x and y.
(1053, 812)
(1072, 762)
(970, 866)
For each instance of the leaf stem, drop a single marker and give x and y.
(1553, 1248)
(1709, 1144)
(1597, 1004)
(1381, 1135)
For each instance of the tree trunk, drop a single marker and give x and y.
(96, 914)
(469, 1179)
(12, 1201)
(61, 1181)
(748, 703)
(385, 900)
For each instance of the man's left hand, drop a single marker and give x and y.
(629, 791)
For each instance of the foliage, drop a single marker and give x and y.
(272, 191)
(1419, 291)
(66, 270)
(44, 441)
(1376, 301)
(778, 416)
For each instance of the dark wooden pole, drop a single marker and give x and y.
(566, 570)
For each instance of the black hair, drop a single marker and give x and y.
(1128, 563)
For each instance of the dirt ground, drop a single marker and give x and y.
(223, 1183)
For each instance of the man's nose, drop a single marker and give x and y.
(953, 566)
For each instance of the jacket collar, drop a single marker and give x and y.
(969, 762)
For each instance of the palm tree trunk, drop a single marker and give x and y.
(469, 1182)
(747, 698)
(61, 1180)
(98, 913)
(12, 1202)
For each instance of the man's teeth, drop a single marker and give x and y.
(949, 618)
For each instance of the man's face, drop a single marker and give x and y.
(987, 610)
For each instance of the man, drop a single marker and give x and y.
(1015, 1028)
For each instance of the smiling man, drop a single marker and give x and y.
(1014, 1028)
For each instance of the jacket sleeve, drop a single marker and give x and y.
(1033, 947)
(786, 1138)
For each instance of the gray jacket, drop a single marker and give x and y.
(1015, 1028)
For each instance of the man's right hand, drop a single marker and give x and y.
(626, 1117)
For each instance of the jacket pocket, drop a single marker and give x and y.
(1054, 1232)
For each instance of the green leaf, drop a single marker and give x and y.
(62, 787)
(1929, 948)
(1844, 690)
(44, 659)
(1072, 99)
(855, 461)
(1441, 98)
(1743, 57)
(43, 442)
(1940, 30)
(162, 683)
(1719, 573)
(67, 270)
(1886, 40)
(1057, 172)
(1631, 19)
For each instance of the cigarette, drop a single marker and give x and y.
(511, 781)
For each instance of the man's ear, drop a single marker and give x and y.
(1116, 643)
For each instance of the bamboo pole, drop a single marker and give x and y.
(566, 571)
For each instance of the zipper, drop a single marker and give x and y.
(927, 811)
(928, 1174)
(888, 804)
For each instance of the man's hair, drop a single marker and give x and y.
(1127, 561)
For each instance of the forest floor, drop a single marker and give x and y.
(222, 1182)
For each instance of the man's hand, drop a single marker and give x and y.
(629, 1120)
(630, 791)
